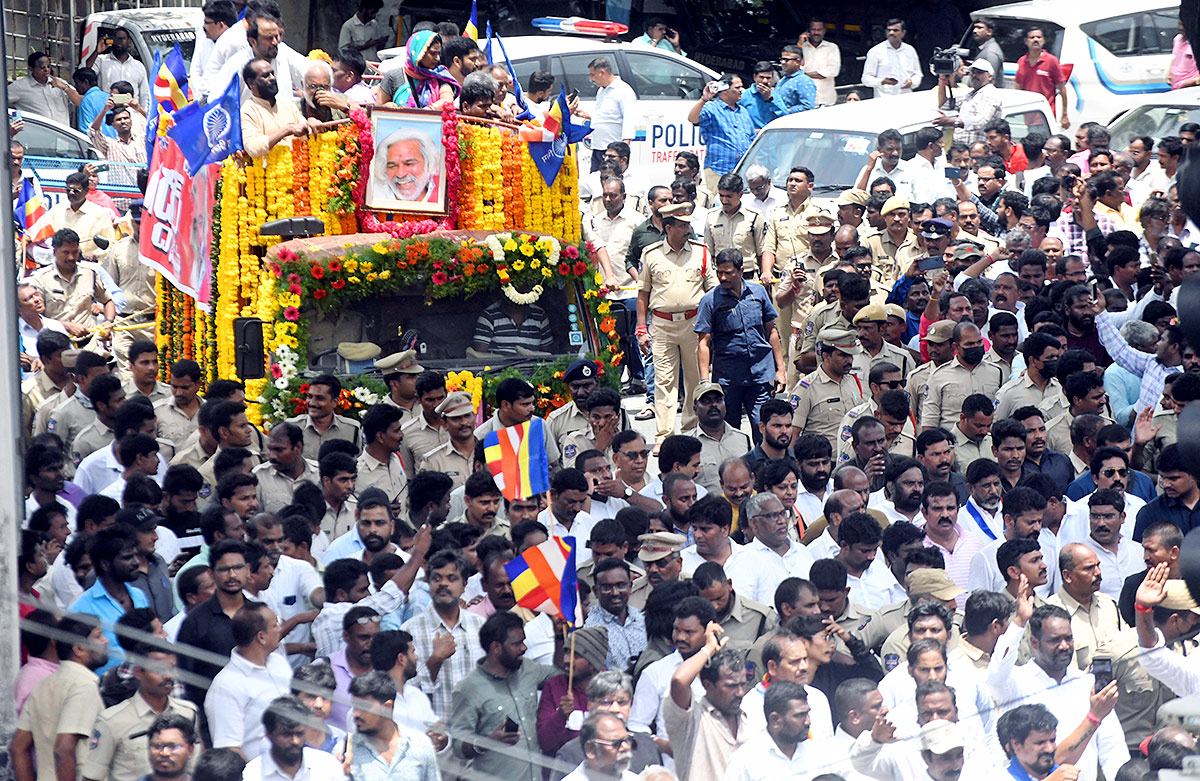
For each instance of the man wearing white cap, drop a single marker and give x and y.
(942, 748)
(978, 109)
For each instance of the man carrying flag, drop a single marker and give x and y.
(29, 202)
(494, 717)
(515, 403)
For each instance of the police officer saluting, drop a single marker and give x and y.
(676, 272)
(824, 396)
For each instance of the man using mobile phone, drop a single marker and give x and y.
(660, 36)
(42, 92)
(118, 64)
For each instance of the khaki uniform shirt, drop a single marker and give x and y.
(161, 392)
(822, 316)
(890, 258)
(91, 439)
(1020, 392)
(445, 458)
(747, 620)
(967, 656)
(745, 231)
(421, 437)
(174, 424)
(41, 416)
(275, 489)
(340, 428)
(406, 413)
(866, 625)
(70, 300)
(966, 451)
(820, 402)
(336, 523)
(903, 445)
(577, 442)
(987, 240)
(566, 419)
(889, 353)
(1167, 421)
(787, 232)
(192, 455)
(918, 380)
(806, 296)
(1093, 627)
(389, 478)
(676, 279)
(34, 391)
(135, 279)
(732, 444)
(70, 418)
(1139, 694)
(120, 746)
(949, 387)
(994, 358)
(67, 704)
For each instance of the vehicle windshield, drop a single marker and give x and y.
(835, 157)
(1153, 121)
(163, 41)
(1010, 34)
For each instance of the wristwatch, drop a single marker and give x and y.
(628, 492)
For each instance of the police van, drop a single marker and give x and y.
(666, 85)
(1119, 51)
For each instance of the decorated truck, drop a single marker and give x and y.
(479, 225)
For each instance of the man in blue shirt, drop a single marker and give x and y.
(796, 89)
(726, 124)
(1028, 735)
(114, 556)
(87, 84)
(763, 101)
(1180, 500)
(739, 345)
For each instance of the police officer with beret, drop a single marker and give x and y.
(582, 377)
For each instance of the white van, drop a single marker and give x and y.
(1157, 117)
(666, 84)
(152, 29)
(1119, 50)
(835, 142)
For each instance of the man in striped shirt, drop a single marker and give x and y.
(505, 326)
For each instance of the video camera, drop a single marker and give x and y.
(945, 62)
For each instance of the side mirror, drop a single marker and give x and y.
(250, 359)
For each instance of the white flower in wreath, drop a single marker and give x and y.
(281, 382)
(363, 394)
(523, 299)
(555, 251)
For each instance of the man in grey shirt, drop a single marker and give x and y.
(984, 30)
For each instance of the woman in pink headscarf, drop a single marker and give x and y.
(427, 83)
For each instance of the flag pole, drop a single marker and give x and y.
(570, 660)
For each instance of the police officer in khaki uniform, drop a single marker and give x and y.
(951, 384)
(940, 340)
(735, 226)
(869, 323)
(854, 293)
(797, 293)
(76, 411)
(457, 457)
(119, 749)
(657, 548)
(136, 280)
(70, 286)
(41, 386)
(882, 377)
(400, 372)
(676, 273)
(581, 378)
(895, 247)
(824, 396)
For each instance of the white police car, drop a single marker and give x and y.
(1119, 50)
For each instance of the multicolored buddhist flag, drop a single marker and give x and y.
(472, 29)
(29, 208)
(171, 84)
(517, 459)
(543, 579)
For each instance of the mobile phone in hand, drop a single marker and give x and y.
(510, 725)
(1102, 671)
(931, 264)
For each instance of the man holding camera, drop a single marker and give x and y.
(978, 109)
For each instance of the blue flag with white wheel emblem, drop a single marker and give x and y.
(212, 132)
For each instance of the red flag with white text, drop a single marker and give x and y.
(176, 222)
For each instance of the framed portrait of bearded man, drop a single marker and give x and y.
(408, 172)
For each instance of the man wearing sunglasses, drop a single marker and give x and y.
(1109, 468)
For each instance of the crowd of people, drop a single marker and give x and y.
(912, 506)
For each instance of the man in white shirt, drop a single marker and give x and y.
(1119, 556)
(117, 63)
(1147, 176)
(822, 61)
(1051, 679)
(782, 749)
(285, 724)
(219, 16)
(614, 113)
(1023, 508)
(772, 555)
(253, 678)
(981, 513)
(766, 196)
(927, 181)
(785, 660)
(892, 65)
(692, 615)
(607, 749)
